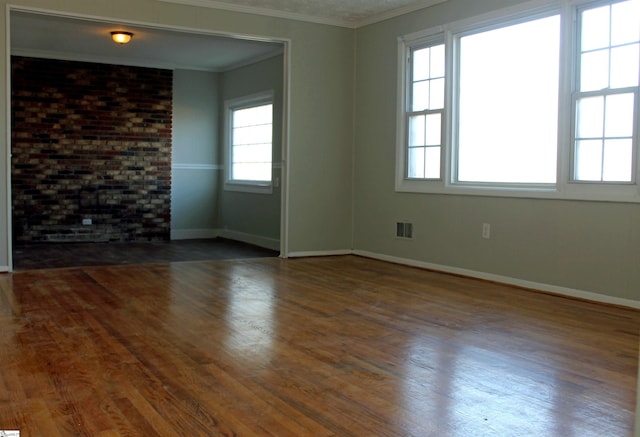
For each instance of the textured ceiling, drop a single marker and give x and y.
(349, 13)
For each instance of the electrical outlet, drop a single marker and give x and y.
(86, 222)
(404, 230)
(486, 231)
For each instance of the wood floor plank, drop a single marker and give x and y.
(327, 346)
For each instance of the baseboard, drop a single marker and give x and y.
(4, 269)
(319, 253)
(256, 240)
(554, 289)
(192, 234)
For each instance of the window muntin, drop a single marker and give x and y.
(605, 105)
(425, 116)
(615, 155)
(249, 137)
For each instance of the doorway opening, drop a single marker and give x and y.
(79, 176)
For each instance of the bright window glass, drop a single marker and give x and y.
(251, 143)
(508, 104)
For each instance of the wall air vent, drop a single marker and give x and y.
(404, 230)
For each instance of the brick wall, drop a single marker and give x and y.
(90, 141)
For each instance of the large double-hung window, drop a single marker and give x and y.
(540, 102)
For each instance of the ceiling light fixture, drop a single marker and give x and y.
(121, 37)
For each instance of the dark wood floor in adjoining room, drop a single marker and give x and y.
(58, 255)
(330, 346)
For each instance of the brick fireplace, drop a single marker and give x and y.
(91, 151)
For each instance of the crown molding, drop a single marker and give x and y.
(352, 24)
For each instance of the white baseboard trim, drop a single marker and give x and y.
(4, 269)
(319, 253)
(554, 289)
(192, 234)
(256, 240)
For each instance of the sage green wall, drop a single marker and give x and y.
(321, 114)
(586, 246)
(194, 182)
(321, 106)
(254, 215)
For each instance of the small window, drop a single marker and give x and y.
(250, 151)
(426, 112)
(607, 93)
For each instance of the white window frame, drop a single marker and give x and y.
(565, 187)
(248, 186)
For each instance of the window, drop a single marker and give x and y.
(249, 138)
(501, 107)
(508, 103)
(426, 113)
(607, 92)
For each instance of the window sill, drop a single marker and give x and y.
(255, 188)
(573, 191)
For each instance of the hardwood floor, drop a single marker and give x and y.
(333, 346)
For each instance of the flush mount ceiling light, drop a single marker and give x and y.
(121, 37)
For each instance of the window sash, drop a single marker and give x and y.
(430, 167)
(603, 136)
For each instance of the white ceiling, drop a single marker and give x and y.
(48, 36)
(71, 38)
